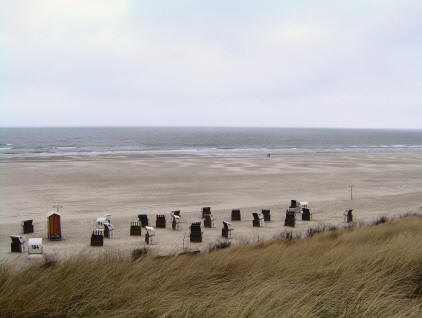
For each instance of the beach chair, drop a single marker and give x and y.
(258, 219)
(236, 215)
(209, 220)
(206, 210)
(177, 212)
(160, 221)
(103, 223)
(135, 228)
(306, 214)
(267, 215)
(303, 205)
(196, 232)
(35, 246)
(175, 222)
(27, 227)
(143, 218)
(108, 230)
(108, 218)
(348, 216)
(295, 205)
(18, 244)
(227, 229)
(149, 235)
(99, 223)
(290, 219)
(97, 237)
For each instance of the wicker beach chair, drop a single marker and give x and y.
(267, 215)
(149, 235)
(175, 222)
(35, 246)
(108, 230)
(176, 212)
(290, 219)
(227, 229)
(258, 219)
(209, 220)
(97, 237)
(27, 227)
(206, 210)
(143, 218)
(348, 216)
(135, 228)
(306, 214)
(160, 221)
(18, 244)
(236, 216)
(196, 232)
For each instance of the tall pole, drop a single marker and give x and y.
(351, 192)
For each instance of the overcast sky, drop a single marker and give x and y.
(211, 63)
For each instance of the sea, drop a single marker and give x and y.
(202, 141)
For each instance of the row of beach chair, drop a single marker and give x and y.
(104, 228)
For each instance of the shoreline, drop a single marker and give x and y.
(152, 156)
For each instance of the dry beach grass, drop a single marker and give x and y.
(367, 271)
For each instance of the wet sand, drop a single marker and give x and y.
(125, 186)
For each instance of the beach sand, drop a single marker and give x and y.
(125, 186)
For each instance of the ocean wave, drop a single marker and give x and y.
(64, 147)
(5, 154)
(388, 146)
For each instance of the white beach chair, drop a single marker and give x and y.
(35, 246)
(348, 216)
(227, 230)
(303, 204)
(18, 243)
(99, 223)
(175, 222)
(149, 235)
(108, 218)
(258, 220)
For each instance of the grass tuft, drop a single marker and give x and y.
(49, 260)
(380, 220)
(219, 245)
(137, 253)
(319, 229)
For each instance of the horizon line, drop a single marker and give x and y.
(211, 126)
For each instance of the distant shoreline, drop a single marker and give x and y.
(156, 156)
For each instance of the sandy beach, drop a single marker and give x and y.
(125, 186)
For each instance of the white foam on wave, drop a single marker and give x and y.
(64, 147)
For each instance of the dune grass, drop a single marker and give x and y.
(368, 271)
